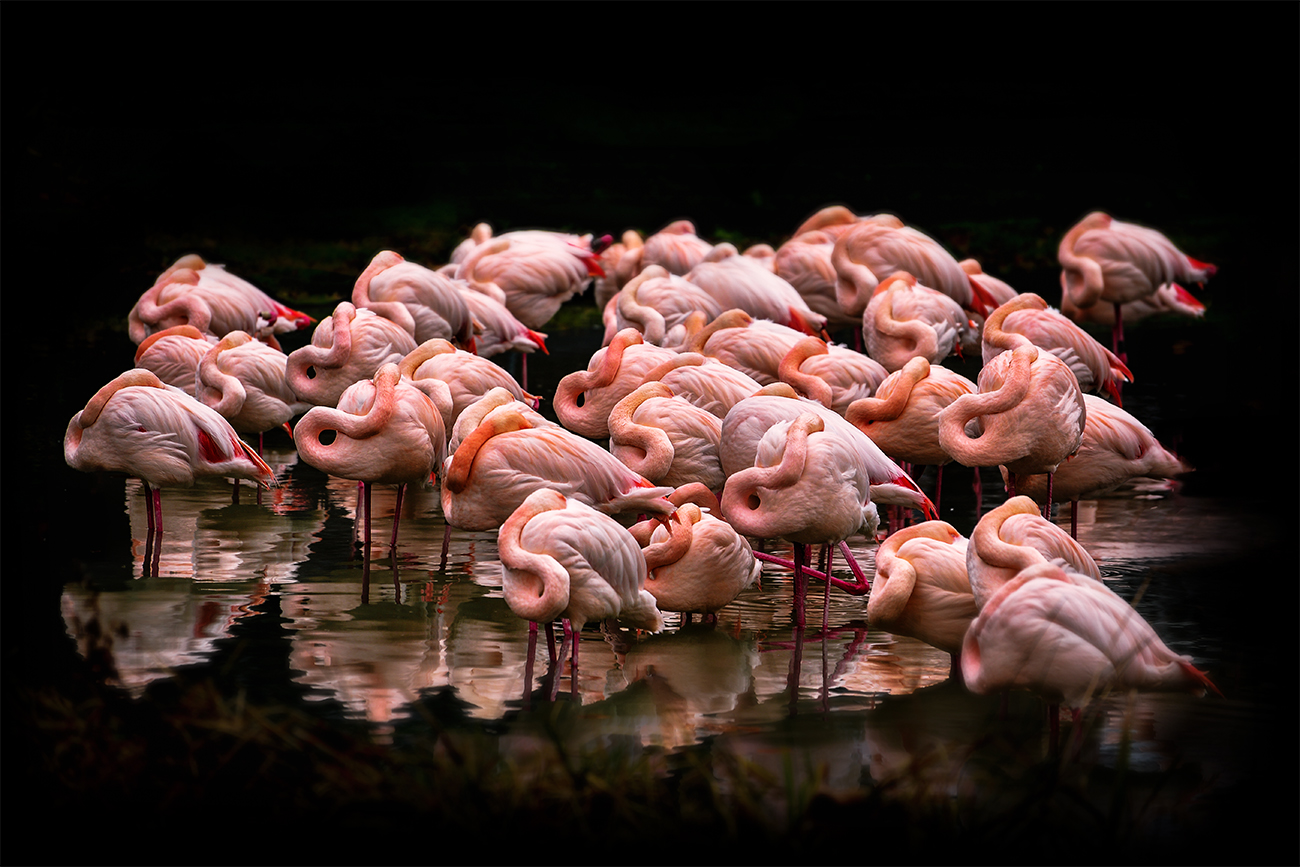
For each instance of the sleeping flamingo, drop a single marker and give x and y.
(875, 248)
(921, 588)
(426, 303)
(1116, 447)
(1104, 260)
(384, 431)
(174, 354)
(562, 559)
(704, 381)
(509, 455)
(584, 398)
(697, 563)
(468, 376)
(194, 292)
(675, 247)
(532, 273)
(1028, 415)
(348, 347)
(666, 438)
(1028, 319)
(1169, 298)
(736, 281)
(657, 304)
(834, 376)
(138, 425)
(905, 319)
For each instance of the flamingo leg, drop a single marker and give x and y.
(528, 661)
(397, 516)
(938, 485)
(446, 543)
(800, 584)
(259, 454)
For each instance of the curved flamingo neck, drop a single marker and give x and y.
(995, 336)
(790, 370)
(219, 390)
(678, 543)
(526, 601)
(892, 397)
(422, 353)
(462, 463)
(137, 376)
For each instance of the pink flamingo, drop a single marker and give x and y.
(657, 304)
(704, 381)
(696, 562)
(877, 247)
(905, 319)
(675, 247)
(1028, 415)
(1169, 298)
(509, 455)
(532, 273)
(1116, 447)
(584, 398)
(902, 417)
(501, 331)
(348, 347)
(562, 559)
(138, 425)
(1027, 319)
(468, 376)
(384, 431)
(666, 438)
(194, 292)
(174, 354)
(834, 376)
(426, 303)
(1105, 260)
(736, 281)
(921, 588)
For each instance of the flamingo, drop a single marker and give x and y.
(657, 304)
(348, 347)
(753, 346)
(704, 381)
(508, 456)
(666, 438)
(1028, 319)
(997, 290)
(562, 559)
(584, 398)
(905, 319)
(1068, 639)
(877, 247)
(1116, 447)
(141, 426)
(749, 422)
(244, 380)
(736, 281)
(675, 247)
(496, 397)
(174, 354)
(1028, 415)
(1169, 298)
(468, 376)
(804, 262)
(902, 417)
(696, 563)
(426, 303)
(532, 273)
(384, 431)
(194, 292)
(611, 257)
(1106, 260)
(921, 588)
(832, 378)
(500, 330)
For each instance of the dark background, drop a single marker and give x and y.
(294, 142)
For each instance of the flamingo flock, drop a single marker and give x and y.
(718, 414)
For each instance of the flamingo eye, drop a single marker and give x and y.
(327, 437)
(311, 372)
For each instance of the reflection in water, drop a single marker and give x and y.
(859, 705)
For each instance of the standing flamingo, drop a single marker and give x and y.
(1013, 537)
(736, 281)
(657, 304)
(348, 347)
(1027, 319)
(138, 425)
(1105, 260)
(562, 559)
(1169, 298)
(875, 248)
(697, 563)
(921, 588)
(902, 417)
(468, 376)
(584, 398)
(532, 273)
(193, 292)
(384, 431)
(426, 303)
(666, 438)
(509, 455)
(834, 376)
(174, 354)
(1068, 639)
(905, 319)
(1028, 415)
(1116, 447)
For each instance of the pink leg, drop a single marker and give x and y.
(397, 516)
(800, 584)
(259, 454)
